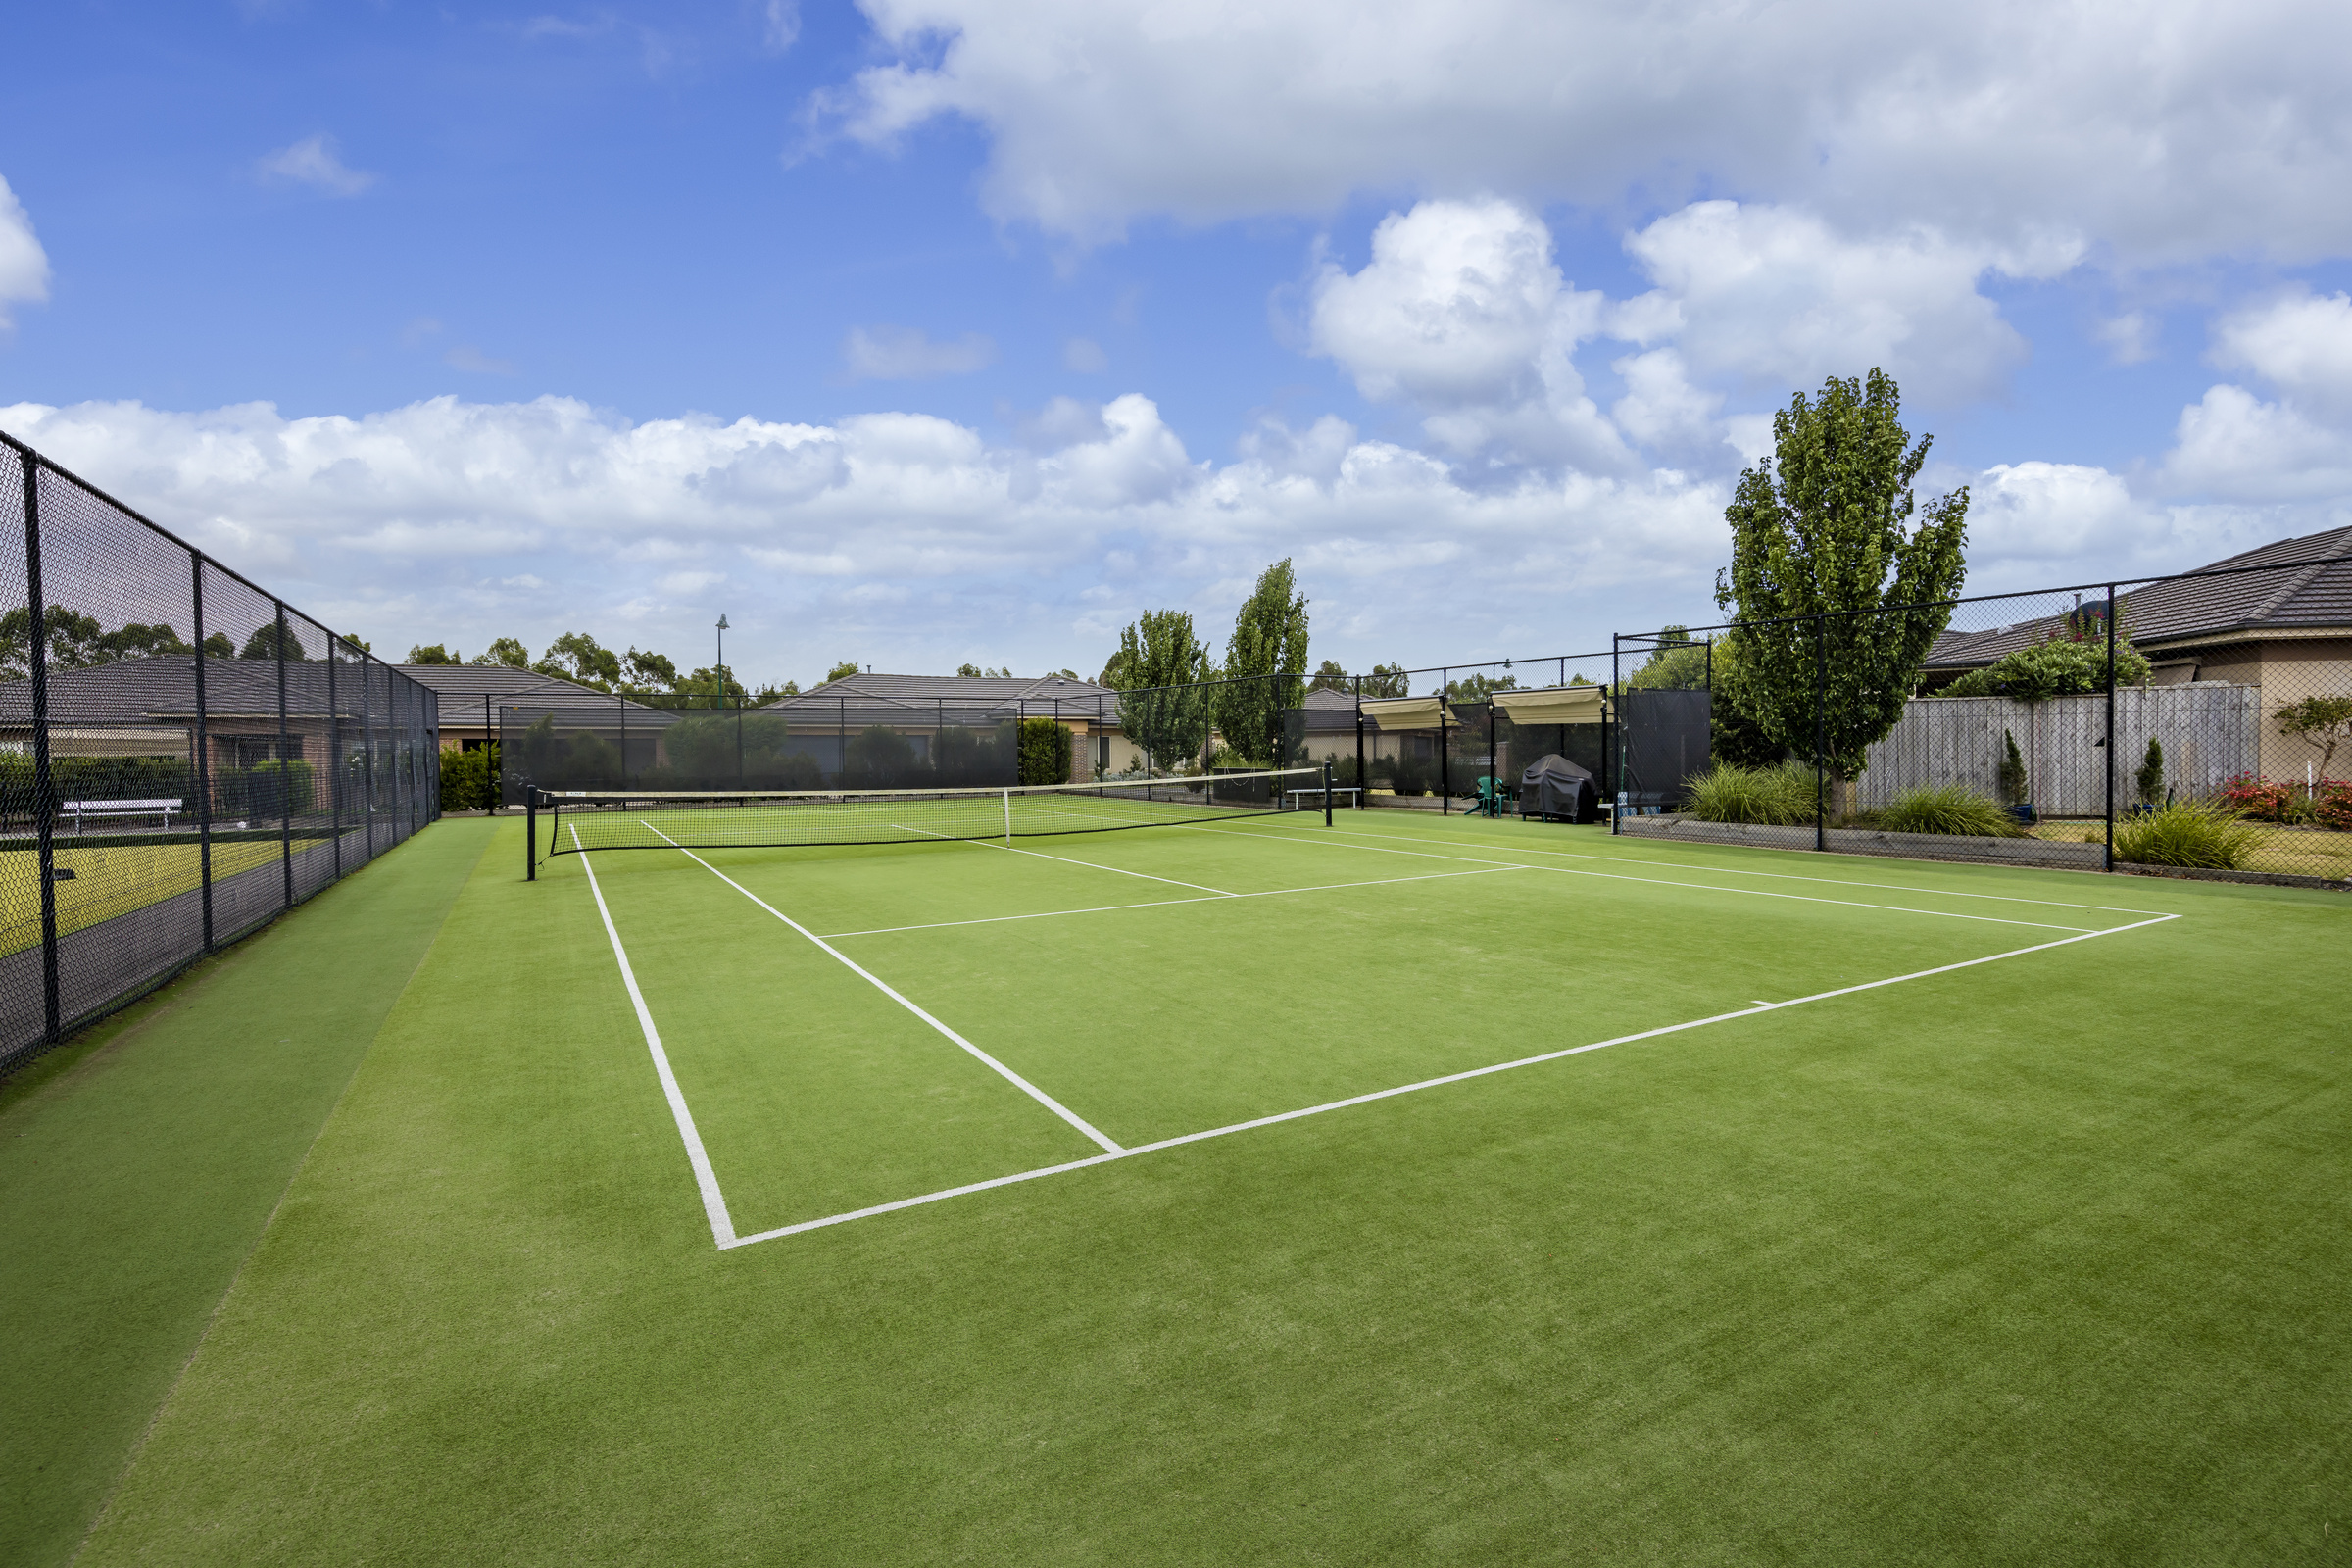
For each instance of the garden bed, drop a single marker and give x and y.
(1875, 841)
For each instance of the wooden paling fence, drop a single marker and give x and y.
(2210, 732)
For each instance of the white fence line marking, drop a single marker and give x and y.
(1660, 882)
(879, 984)
(1428, 1083)
(714, 1202)
(1783, 876)
(1169, 903)
(990, 844)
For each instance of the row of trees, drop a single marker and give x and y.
(639, 673)
(1175, 690)
(78, 640)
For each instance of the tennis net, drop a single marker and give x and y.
(576, 822)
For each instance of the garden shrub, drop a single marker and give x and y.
(2150, 781)
(2013, 772)
(469, 779)
(2188, 833)
(1782, 796)
(2260, 800)
(1951, 809)
(1044, 752)
(2333, 806)
(2059, 668)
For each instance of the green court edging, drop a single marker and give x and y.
(139, 1165)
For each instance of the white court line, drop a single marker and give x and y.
(715, 1204)
(1426, 1083)
(879, 984)
(1783, 876)
(990, 844)
(1695, 887)
(1169, 903)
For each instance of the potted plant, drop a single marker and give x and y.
(2148, 784)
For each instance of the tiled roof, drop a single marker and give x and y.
(2189, 610)
(500, 681)
(917, 696)
(146, 691)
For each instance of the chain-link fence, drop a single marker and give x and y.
(2198, 724)
(182, 756)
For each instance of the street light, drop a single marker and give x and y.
(722, 671)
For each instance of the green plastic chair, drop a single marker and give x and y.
(1492, 796)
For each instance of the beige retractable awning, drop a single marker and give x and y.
(1403, 712)
(1553, 705)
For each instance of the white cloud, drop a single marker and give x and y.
(448, 518)
(907, 354)
(1661, 407)
(2164, 130)
(2299, 342)
(781, 27)
(1083, 356)
(1775, 297)
(1462, 311)
(2232, 446)
(24, 265)
(314, 162)
(2131, 337)
(2052, 513)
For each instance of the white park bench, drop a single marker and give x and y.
(78, 810)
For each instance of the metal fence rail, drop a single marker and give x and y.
(183, 757)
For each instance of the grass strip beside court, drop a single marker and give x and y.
(139, 1165)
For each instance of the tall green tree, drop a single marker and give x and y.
(506, 651)
(1265, 661)
(1829, 525)
(1330, 677)
(1156, 672)
(268, 640)
(433, 654)
(576, 656)
(843, 670)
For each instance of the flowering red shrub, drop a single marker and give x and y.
(2252, 796)
(2333, 806)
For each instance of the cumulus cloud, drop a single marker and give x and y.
(2300, 343)
(907, 354)
(1772, 296)
(2235, 446)
(24, 265)
(314, 162)
(1462, 311)
(2164, 130)
(448, 518)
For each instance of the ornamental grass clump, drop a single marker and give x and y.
(2186, 833)
(1950, 809)
(1772, 797)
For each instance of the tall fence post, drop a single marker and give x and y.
(2109, 859)
(285, 768)
(1363, 782)
(1821, 712)
(1445, 750)
(44, 802)
(202, 781)
(1612, 743)
(368, 749)
(334, 759)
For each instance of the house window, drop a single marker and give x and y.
(248, 750)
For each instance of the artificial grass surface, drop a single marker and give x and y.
(138, 1167)
(2036, 1259)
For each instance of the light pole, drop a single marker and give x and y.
(721, 671)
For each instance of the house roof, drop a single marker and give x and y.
(461, 689)
(879, 698)
(2192, 610)
(148, 691)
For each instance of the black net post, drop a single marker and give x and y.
(200, 776)
(1821, 709)
(1612, 745)
(530, 835)
(1445, 750)
(334, 757)
(1327, 792)
(2107, 857)
(44, 802)
(285, 766)
(624, 738)
(368, 751)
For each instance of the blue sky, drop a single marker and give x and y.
(918, 332)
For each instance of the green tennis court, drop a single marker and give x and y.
(1245, 1190)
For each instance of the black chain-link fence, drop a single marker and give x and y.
(182, 756)
(2198, 724)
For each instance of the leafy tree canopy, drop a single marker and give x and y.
(505, 651)
(2061, 666)
(576, 656)
(1822, 529)
(843, 670)
(432, 653)
(1156, 670)
(1386, 680)
(2322, 721)
(1264, 661)
(1473, 687)
(649, 670)
(1330, 677)
(269, 639)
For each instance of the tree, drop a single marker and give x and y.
(353, 638)
(576, 656)
(2061, 666)
(433, 654)
(2322, 721)
(1158, 667)
(2150, 781)
(1330, 677)
(843, 670)
(217, 645)
(1823, 529)
(1386, 680)
(1264, 661)
(508, 652)
(1475, 688)
(1044, 752)
(968, 671)
(649, 668)
(269, 639)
